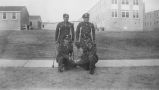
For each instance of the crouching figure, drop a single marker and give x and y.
(65, 55)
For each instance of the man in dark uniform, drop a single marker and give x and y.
(85, 39)
(64, 38)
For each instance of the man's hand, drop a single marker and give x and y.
(56, 42)
(94, 43)
(77, 44)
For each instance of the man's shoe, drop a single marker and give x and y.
(91, 71)
(61, 68)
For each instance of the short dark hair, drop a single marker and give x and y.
(66, 15)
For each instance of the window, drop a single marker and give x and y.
(157, 14)
(150, 23)
(14, 16)
(126, 2)
(150, 15)
(114, 13)
(30, 23)
(114, 1)
(135, 14)
(136, 2)
(145, 23)
(4, 15)
(125, 14)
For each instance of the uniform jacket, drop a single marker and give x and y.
(63, 29)
(85, 30)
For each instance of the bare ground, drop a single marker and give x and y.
(128, 78)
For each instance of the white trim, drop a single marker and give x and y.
(125, 7)
(114, 6)
(135, 7)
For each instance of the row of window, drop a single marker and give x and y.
(4, 16)
(125, 14)
(150, 23)
(126, 2)
(152, 15)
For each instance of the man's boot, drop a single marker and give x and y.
(61, 68)
(61, 65)
(92, 68)
(91, 71)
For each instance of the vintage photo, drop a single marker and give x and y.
(79, 45)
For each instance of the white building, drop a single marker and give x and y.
(35, 22)
(13, 18)
(53, 25)
(151, 20)
(118, 15)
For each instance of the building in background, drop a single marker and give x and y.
(49, 25)
(53, 25)
(13, 18)
(118, 15)
(35, 22)
(151, 20)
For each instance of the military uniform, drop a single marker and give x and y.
(63, 29)
(64, 36)
(85, 39)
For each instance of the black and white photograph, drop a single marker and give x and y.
(79, 44)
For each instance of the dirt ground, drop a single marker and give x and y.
(125, 78)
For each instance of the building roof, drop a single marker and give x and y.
(12, 8)
(152, 11)
(35, 17)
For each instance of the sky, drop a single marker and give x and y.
(52, 10)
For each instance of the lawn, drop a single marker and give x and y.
(110, 45)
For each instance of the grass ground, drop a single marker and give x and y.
(129, 78)
(110, 45)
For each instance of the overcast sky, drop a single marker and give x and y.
(52, 10)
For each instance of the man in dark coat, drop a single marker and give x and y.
(64, 38)
(85, 39)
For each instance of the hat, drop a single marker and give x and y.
(66, 15)
(86, 15)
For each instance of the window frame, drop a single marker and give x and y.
(125, 14)
(4, 15)
(135, 2)
(115, 2)
(136, 14)
(114, 13)
(125, 2)
(14, 14)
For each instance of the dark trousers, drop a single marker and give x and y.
(88, 61)
(64, 60)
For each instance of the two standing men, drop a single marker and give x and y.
(85, 40)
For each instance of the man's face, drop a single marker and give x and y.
(86, 19)
(66, 19)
